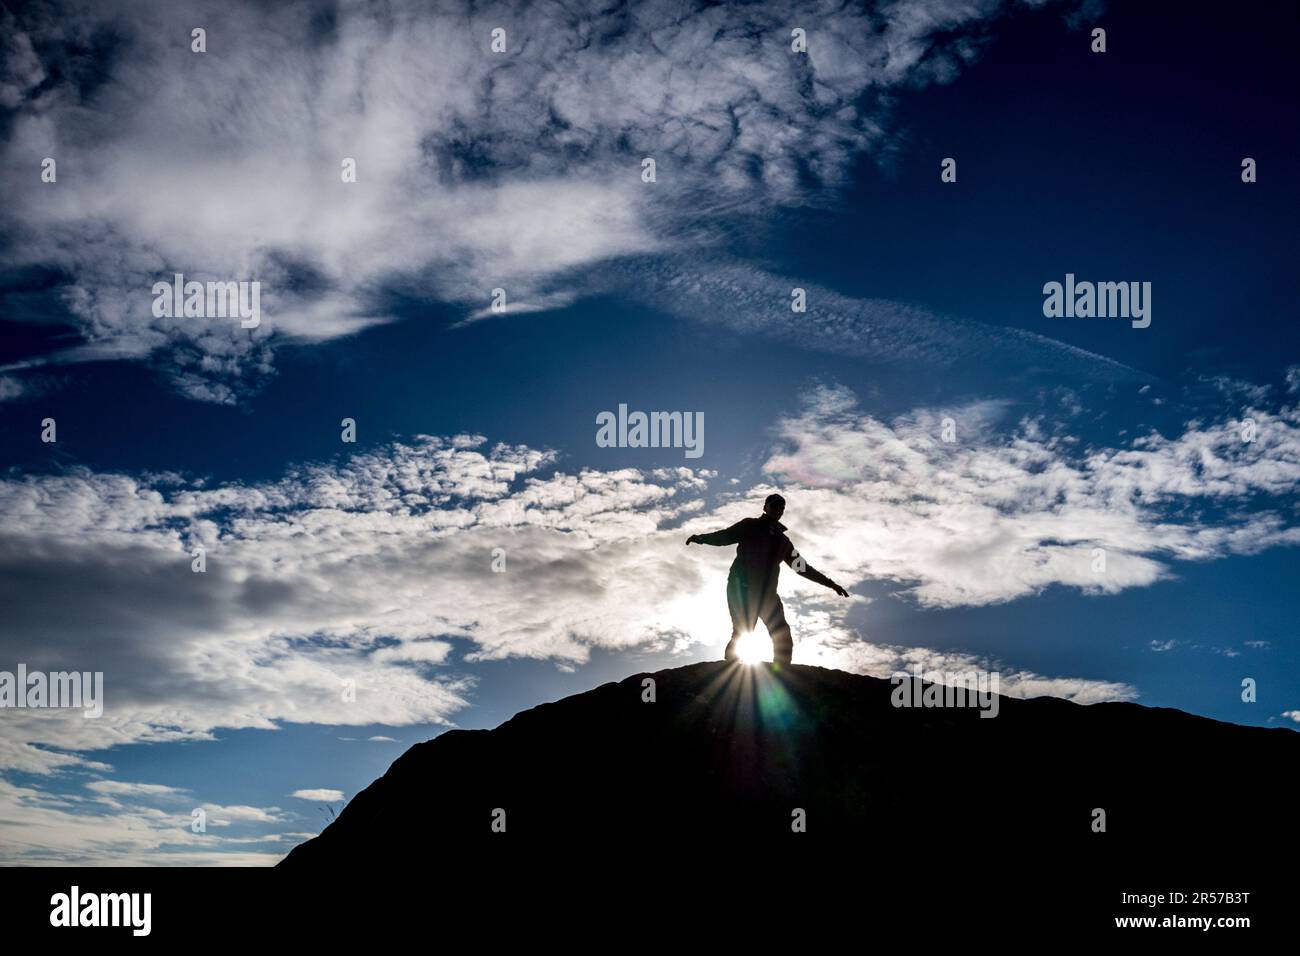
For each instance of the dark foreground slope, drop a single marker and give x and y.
(726, 754)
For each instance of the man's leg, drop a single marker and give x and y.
(741, 618)
(778, 630)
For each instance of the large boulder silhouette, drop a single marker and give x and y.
(775, 756)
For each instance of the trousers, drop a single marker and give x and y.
(747, 606)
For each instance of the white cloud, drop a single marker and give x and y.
(751, 301)
(42, 828)
(219, 815)
(1237, 389)
(475, 170)
(992, 517)
(122, 788)
(828, 646)
(321, 796)
(10, 388)
(366, 574)
(16, 754)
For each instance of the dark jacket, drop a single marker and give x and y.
(761, 548)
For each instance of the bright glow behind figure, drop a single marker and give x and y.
(754, 648)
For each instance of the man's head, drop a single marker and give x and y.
(774, 507)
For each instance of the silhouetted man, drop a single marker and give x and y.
(751, 585)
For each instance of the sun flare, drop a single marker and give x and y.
(754, 648)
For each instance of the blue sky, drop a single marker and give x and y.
(371, 561)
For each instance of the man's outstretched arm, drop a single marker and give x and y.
(719, 538)
(806, 570)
